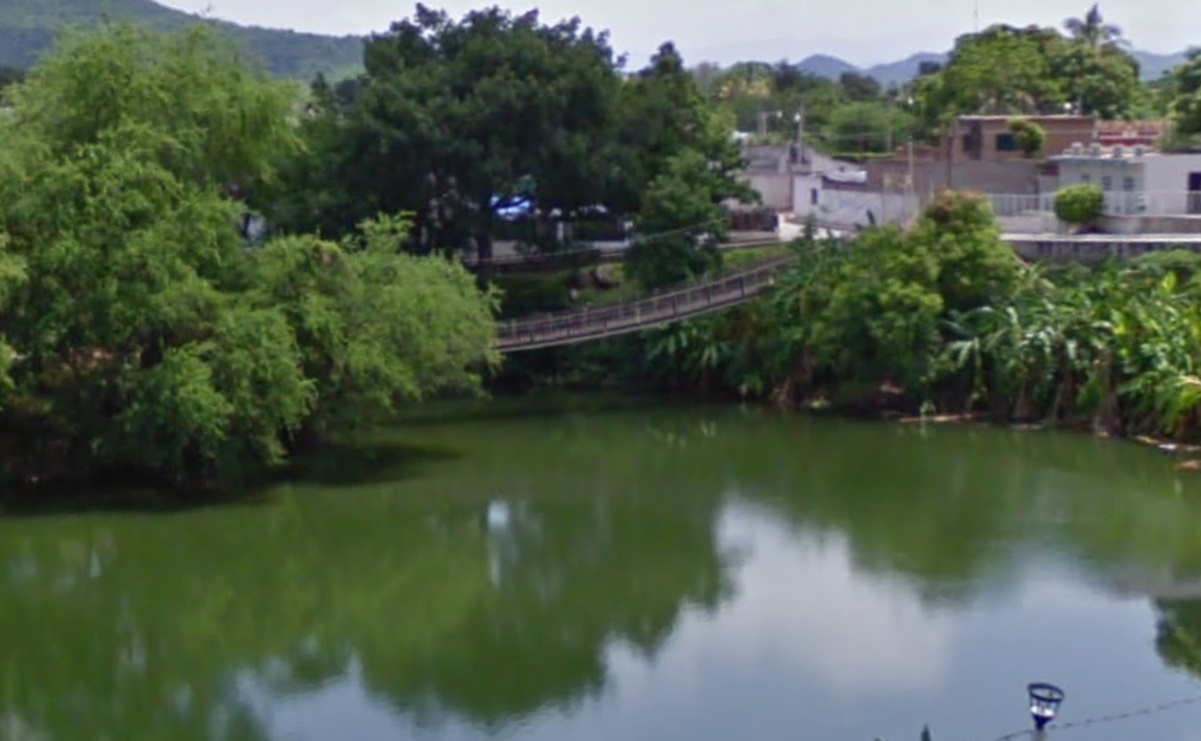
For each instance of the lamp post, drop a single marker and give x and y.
(1044, 703)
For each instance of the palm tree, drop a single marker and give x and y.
(1093, 31)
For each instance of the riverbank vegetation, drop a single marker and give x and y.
(202, 274)
(142, 331)
(944, 317)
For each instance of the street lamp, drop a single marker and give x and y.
(1044, 702)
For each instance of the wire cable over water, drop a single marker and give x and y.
(1102, 719)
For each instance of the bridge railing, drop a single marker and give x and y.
(600, 252)
(656, 308)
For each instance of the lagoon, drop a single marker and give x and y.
(624, 570)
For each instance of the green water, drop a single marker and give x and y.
(706, 574)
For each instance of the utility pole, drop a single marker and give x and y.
(888, 143)
(912, 182)
(976, 17)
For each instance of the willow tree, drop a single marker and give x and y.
(140, 334)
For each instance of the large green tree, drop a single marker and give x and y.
(459, 120)
(145, 333)
(1186, 96)
(1004, 70)
(1092, 30)
(1000, 70)
(663, 114)
(678, 164)
(1099, 76)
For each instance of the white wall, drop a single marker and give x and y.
(1032, 223)
(1167, 180)
(775, 189)
(845, 207)
(802, 193)
(1095, 169)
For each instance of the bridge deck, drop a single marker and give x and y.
(580, 325)
(651, 311)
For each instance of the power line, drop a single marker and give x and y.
(1101, 719)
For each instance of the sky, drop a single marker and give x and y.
(863, 32)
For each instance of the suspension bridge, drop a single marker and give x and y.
(652, 310)
(672, 305)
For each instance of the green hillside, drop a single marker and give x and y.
(29, 27)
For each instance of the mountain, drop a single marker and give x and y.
(824, 65)
(898, 73)
(1152, 66)
(29, 27)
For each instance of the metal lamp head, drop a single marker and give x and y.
(1044, 702)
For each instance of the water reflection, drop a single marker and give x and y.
(638, 576)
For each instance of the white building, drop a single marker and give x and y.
(843, 199)
(1137, 181)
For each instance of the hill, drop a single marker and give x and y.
(1152, 66)
(824, 65)
(29, 27)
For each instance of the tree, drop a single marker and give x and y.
(683, 224)
(11, 275)
(859, 88)
(363, 312)
(1030, 137)
(1093, 31)
(1032, 70)
(1000, 70)
(976, 266)
(1186, 99)
(457, 121)
(146, 335)
(10, 76)
(662, 115)
(1102, 84)
(1099, 75)
(867, 127)
(1080, 204)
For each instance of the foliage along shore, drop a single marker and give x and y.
(141, 331)
(943, 319)
(149, 328)
(146, 329)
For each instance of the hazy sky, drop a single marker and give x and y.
(861, 31)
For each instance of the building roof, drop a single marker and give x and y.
(1096, 153)
(1051, 117)
(1150, 126)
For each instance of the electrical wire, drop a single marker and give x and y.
(1101, 719)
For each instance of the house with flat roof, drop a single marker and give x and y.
(1136, 180)
(988, 138)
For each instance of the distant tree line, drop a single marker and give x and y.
(1003, 70)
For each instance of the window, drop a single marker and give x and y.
(1085, 177)
(813, 196)
(1007, 142)
(1128, 183)
(1106, 183)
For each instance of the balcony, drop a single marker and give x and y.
(1139, 203)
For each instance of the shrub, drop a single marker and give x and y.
(1030, 137)
(1079, 204)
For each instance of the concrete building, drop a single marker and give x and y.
(1136, 180)
(988, 138)
(1146, 192)
(771, 171)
